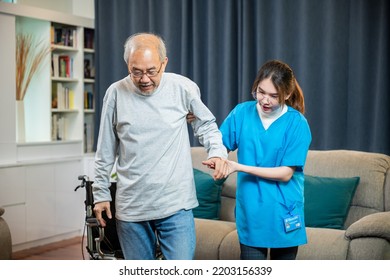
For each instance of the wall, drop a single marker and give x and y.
(84, 8)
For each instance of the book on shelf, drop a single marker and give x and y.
(54, 119)
(62, 97)
(55, 65)
(88, 38)
(88, 137)
(89, 70)
(58, 125)
(71, 99)
(63, 36)
(88, 100)
(62, 66)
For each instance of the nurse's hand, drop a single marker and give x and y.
(221, 169)
(233, 166)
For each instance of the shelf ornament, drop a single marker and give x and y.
(29, 58)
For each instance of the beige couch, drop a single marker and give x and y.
(5, 238)
(367, 234)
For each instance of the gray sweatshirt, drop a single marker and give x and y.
(149, 134)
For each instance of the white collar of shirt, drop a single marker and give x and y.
(268, 119)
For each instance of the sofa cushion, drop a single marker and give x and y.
(327, 200)
(208, 193)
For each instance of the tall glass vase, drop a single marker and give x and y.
(20, 122)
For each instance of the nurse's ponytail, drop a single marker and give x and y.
(296, 99)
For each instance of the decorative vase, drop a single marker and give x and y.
(20, 122)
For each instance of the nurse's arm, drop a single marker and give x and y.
(280, 173)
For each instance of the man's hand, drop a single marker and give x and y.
(220, 166)
(99, 208)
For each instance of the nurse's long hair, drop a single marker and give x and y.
(282, 77)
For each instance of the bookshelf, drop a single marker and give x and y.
(71, 39)
(89, 89)
(66, 76)
(40, 172)
(72, 86)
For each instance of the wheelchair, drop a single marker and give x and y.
(102, 243)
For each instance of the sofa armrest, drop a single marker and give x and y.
(374, 225)
(210, 235)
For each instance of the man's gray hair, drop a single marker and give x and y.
(132, 44)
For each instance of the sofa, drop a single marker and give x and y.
(365, 234)
(5, 239)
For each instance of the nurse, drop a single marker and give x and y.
(272, 138)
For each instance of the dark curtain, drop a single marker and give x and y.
(338, 49)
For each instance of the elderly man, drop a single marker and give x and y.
(143, 122)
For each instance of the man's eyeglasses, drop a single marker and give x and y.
(150, 73)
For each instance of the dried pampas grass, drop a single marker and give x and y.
(29, 57)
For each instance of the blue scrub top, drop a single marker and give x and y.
(263, 205)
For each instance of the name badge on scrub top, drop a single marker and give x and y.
(292, 223)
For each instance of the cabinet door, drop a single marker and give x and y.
(40, 202)
(70, 208)
(52, 205)
(13, 200)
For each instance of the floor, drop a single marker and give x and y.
(70, 249)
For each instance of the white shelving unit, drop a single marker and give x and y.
(39, 174)
(38, 109)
